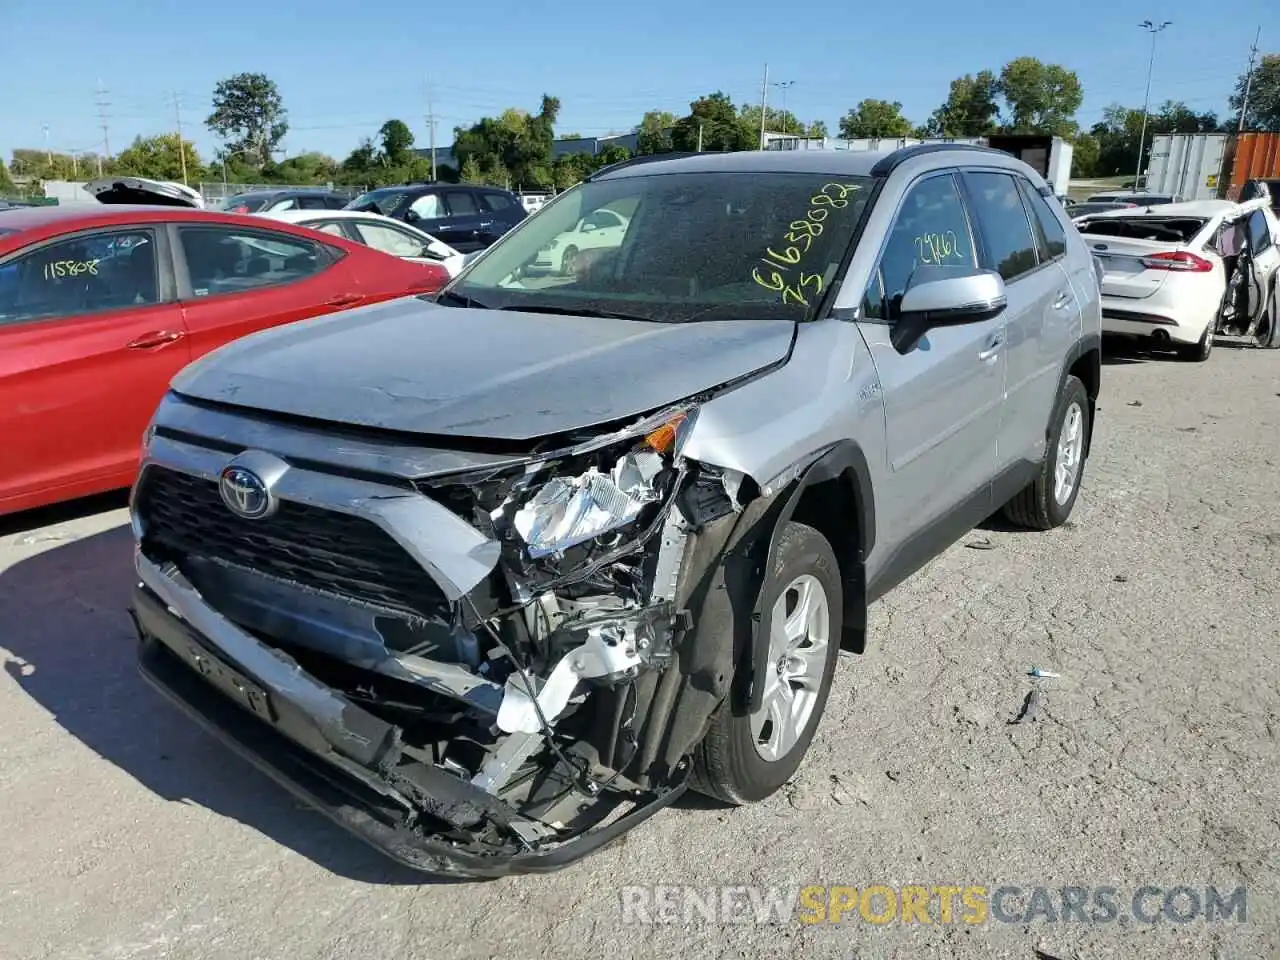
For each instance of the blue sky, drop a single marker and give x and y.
(342, 68)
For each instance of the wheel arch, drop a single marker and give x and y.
(1084, 362)
(833, 495)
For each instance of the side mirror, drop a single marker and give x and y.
(947, 301)
(412, 216)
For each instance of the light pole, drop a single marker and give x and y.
(1153, 29)
(784, 85)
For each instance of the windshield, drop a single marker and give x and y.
(383, 201)
(675, 247)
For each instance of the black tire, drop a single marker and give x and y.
(1036, 507)
(727, 765)
(1269, 337)
(568, 260)
(1197, 352)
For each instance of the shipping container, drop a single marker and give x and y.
(1257, 157)
(1187, 166)
(1048, 156)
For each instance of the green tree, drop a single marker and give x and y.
(397, 140)
(1263, 111)
(1120, 128)
(818, 128)
(970, 110)
(43, 165)
(1040, 97)
(6, 182)
(776, 121)
(471, 172)
(249, 113)
(713, 121)
(512, 147)
(875, 118)
(159, 158)
(307, 168)
(653, 135)
(1084, 155)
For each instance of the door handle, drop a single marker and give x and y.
(1064, 298)
(156, 338)
(993, 347)
(344, 300)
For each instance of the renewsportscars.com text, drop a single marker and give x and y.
(971, 904)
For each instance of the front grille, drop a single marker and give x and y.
(322, 549)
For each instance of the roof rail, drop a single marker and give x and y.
(633, 161)
(886, 165)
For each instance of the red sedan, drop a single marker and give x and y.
(101, 305)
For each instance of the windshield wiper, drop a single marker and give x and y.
(579, 312)
(458, 300)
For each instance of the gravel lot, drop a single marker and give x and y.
(130, 834)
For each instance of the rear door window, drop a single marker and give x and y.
(230, 260)
(1002, 219)
(496, 201)
(460, 203)
(79, 276)
(1051, 238)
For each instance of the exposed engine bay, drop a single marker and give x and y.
(559, 693)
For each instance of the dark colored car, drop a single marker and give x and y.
(467, 218)
(269, 201)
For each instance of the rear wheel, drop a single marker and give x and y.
(745, 757)
(1197, 352)
(1048, 500)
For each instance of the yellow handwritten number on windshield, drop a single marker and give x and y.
(799, 237)
(791, 293)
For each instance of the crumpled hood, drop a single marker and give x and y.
(414, 366)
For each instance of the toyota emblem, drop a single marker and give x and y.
(244, 493)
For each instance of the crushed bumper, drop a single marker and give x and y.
(330, 752)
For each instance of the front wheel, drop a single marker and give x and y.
(747, 757)
(1048, 500)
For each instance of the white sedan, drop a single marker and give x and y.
(601, 229)
(1179, 273)
(382, 233)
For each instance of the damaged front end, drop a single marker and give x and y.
(481, 664)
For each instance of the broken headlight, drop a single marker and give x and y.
(568, 510)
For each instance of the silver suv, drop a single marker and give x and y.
(492, 578)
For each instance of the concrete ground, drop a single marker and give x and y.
(1153, 760)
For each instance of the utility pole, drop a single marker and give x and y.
(102, 104)
(1153, 29)
(764, 102)
(431, 127)
(699, 136)
(48, 153)
(182, 147)
(784, 85)
(1248, 82)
